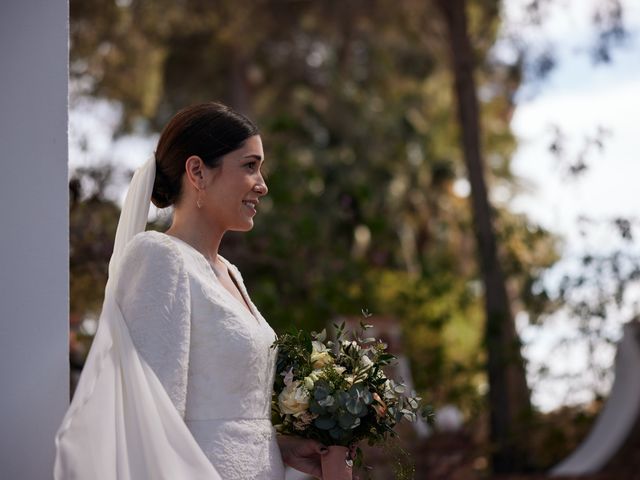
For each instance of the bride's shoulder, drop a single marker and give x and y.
(152, 261)
(151, 245)
(150, 237)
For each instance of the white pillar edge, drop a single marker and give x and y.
(34, 234)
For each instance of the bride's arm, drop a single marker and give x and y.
(153, 294)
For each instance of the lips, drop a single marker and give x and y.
(251, 205)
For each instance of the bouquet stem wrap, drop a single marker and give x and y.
(337, 464)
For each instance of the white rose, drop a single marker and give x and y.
(321, 359)
(320, 356)
(293, 399)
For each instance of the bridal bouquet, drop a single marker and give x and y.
(337, 393)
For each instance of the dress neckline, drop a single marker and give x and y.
(249, 308)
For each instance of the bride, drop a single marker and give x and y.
(179, 378)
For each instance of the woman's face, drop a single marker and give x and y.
(234, 188)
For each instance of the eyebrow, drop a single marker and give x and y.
(253, 155)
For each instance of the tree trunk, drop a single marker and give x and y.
(509, 402)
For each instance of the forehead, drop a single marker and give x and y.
(252, 146)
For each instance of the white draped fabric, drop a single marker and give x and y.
(121, 423)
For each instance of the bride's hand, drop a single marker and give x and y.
(303, 454)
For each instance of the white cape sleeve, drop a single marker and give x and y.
(126, 421)
(155, 301)
(122, 424)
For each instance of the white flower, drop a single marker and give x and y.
(318, 346)
(293, 399)
(308, 383)
(339, 369)
(321, 359)
(320, 356)
(311, 379)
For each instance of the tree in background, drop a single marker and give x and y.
(358, 114)
(509, 402)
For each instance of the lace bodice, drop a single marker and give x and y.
(210, 353)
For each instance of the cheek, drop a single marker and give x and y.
(231, 196)
(230, 191)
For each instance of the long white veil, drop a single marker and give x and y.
(121, 423)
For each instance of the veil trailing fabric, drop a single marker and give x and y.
(121, 423)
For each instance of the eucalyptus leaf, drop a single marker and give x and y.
(316, 408)
(341, 398)
(337, 433)
(327, 401)
(324, 423)
(345, 420)
(320, 393)
(354, 406)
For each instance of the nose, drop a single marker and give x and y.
(261, 188)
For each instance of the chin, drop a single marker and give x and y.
(243, 228)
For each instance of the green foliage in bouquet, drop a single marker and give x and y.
(336, 392)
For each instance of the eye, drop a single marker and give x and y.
(253, 166)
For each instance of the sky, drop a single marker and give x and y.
(577, 96)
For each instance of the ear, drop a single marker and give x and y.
(197, 172)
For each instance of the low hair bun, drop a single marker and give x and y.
(163, 194)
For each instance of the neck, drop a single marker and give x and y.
(204, 237)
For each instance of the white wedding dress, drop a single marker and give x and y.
(178, 379)
(211, 354)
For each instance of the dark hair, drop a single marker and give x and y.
(208, 130)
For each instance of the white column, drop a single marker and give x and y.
(34, 252)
